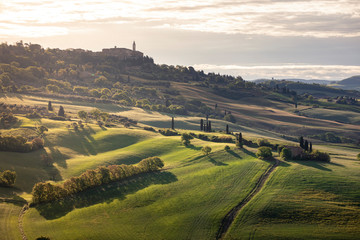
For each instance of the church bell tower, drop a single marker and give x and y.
(134, 46)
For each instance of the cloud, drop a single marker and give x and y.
(316, 18)
(11, 30)
(286, 71)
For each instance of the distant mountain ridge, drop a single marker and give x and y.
(354, 80)
(310, 81)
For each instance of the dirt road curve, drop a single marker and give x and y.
(230, 216)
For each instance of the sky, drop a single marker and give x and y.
(308, 39)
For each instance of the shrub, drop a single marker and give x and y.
(149, 129)
(286, 153)
(33, 115)
(206, 150)
(43, 238)
(262, 142)
(7, 178)
(14, 144)
(37, 143)
(168, 132)
(230, 118)
(320, 156)
(226, 148)
(358, 156)
(264, 152)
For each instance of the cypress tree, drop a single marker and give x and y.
(172, 123)
(306, 145)
(227, 128)
(310, 148)
(301, 141)
(61, 112)
(238, 141)
(201, 124)
(209, 130)
(50, 108)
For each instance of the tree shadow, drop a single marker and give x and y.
(249, 152)
(56, 155)
(284, 164)
(234, 154)
(314, 164)
(216, 163)
(103, 194)
(193, 147)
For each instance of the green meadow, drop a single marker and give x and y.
(188, 198)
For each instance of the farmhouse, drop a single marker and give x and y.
(295, 151)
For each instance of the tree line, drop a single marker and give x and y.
(46, 192)
(20, 144)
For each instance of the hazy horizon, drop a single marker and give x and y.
(254, 39)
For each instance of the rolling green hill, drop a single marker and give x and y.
(192, 195)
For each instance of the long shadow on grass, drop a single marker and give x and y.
(234, 154)
(103, 194)
(216, 163)
(316, 164)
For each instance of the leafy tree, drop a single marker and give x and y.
(226, 148)
(41, 130)
(206, 150)
(96, 113)
(286, 154)
(358, 156)
(264, 152)
(83, 115)
(61, 112)
(50, 108)
(263, 142)
(7, 178)
(230, 118)
(185, 138)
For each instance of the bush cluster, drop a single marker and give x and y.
(7, 178)
(46, 192)
(7, 119)
(19, 144)
(168, 132)
(149, 129)
(264, 152)
(213, 138)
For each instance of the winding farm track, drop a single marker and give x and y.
(230, 216)
(20, 221)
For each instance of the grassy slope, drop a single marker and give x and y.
(186, 201)
(9, 221)
(308, 200)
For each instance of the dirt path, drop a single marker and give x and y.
(230, 216)
(20, 221)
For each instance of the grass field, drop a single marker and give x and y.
(305, 200)
(9, 221)
(190, 197)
